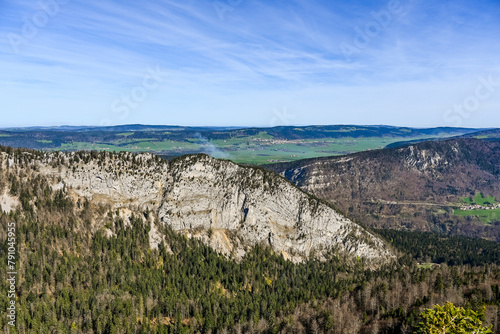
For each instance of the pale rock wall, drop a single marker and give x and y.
(227, 206)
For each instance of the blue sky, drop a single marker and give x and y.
(250, 63)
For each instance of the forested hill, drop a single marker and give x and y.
(492, 134)
(230, 207)
(85, 266)
(416, 187)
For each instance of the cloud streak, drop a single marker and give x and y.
(264, 54)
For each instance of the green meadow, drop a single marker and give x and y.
(486, 216)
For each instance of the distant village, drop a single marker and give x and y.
(480, 207)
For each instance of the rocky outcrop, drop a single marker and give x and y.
(245, 206)
(228, 206)
(8, 202)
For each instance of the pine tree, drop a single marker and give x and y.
(452, 319)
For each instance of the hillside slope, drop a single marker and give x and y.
(227, 206)
(416, 187)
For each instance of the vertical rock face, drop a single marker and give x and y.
(227, 206)
(243, 206)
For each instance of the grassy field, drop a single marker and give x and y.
(141, 145)
(427, 265)
(486, 216)
(479, 199)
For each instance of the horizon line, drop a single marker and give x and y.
(48, 127)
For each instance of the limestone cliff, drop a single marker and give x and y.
(228, 206)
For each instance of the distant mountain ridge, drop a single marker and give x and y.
(488, 134)
(152, 127)
(119, 128)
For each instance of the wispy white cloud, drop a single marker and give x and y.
(91, 52)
